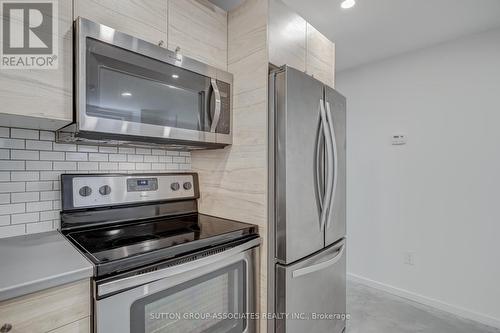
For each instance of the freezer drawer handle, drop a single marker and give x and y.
(322, 265)
(335, 163)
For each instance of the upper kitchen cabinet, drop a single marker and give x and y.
(287, 36)
(146, 20)
(320, 57)
(199, 29)
(40, 98)
(296, 43)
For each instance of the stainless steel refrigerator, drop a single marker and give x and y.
(307, 204)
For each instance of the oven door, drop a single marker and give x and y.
(212, 294)
(129, 87)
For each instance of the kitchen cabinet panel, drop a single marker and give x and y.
(48, 309)
(199, 29)
(80, 326)
(41, 98)
(287, 36)
(143, 19)
(320, 56)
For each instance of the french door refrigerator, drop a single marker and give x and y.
(307, 204)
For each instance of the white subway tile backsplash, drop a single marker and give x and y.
(12, 208)
(39, 206)
(9, 187)
(76, 156)
(32, 228)
(112, 150)
(49, 215)
(135, 158)
(51, 156)
(19, 176)
(39, 145)
(24, 218)
(4, 220)
(18, 133)
(24, 197)
(31, 165)
(88, 166)
(4, 132)
(88, 149)
(11, 165)
(12, 230)
(38, 165)
(126, 150)
(11, 143)
(4, 154)
(108, 166)
(48, 136)
(98, 157)
(64, 147)
(24, 155)
(39, 186)
(4, 198)
(68, 166)
(50, 195)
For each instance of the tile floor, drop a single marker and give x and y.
(374, 311)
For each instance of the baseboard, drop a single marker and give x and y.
(458, 311)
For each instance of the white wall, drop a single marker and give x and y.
(439, 195)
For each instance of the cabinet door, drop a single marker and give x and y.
(143, 19)
(41, 98)
(320, 56)
(287, 36)
(199, 29)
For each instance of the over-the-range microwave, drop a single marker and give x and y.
(133, 93)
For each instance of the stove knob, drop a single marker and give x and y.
(175, 186)
(105, 190)
(187, 186)
(85, 191)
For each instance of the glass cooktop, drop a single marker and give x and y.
(157, 239)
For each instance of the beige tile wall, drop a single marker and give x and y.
(234, 180)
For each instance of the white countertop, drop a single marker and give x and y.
(35, 262)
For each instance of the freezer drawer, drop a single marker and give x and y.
(315, 286)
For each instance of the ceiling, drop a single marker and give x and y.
(377, 29)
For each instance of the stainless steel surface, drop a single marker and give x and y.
(298, 232)
(35, 262)
(118, 189)
(122, 132)
(317, 292)
(329, 162)
(118, 305)
(306, 123)
(322, 265)
(215, 120)
(138, 280)
(337, 220)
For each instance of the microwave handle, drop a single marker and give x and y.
(216, 118)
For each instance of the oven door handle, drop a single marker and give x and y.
(115, 286)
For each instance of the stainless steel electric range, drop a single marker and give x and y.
(160, 266)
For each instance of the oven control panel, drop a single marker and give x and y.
(104, 190)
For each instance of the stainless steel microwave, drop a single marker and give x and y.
(131, 92)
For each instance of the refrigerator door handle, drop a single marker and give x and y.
(322, 265)
(319, 169)
(335, 163)
(329, 164)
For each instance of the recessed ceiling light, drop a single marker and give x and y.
(126, 94)
(175, 76)
(346, 4)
